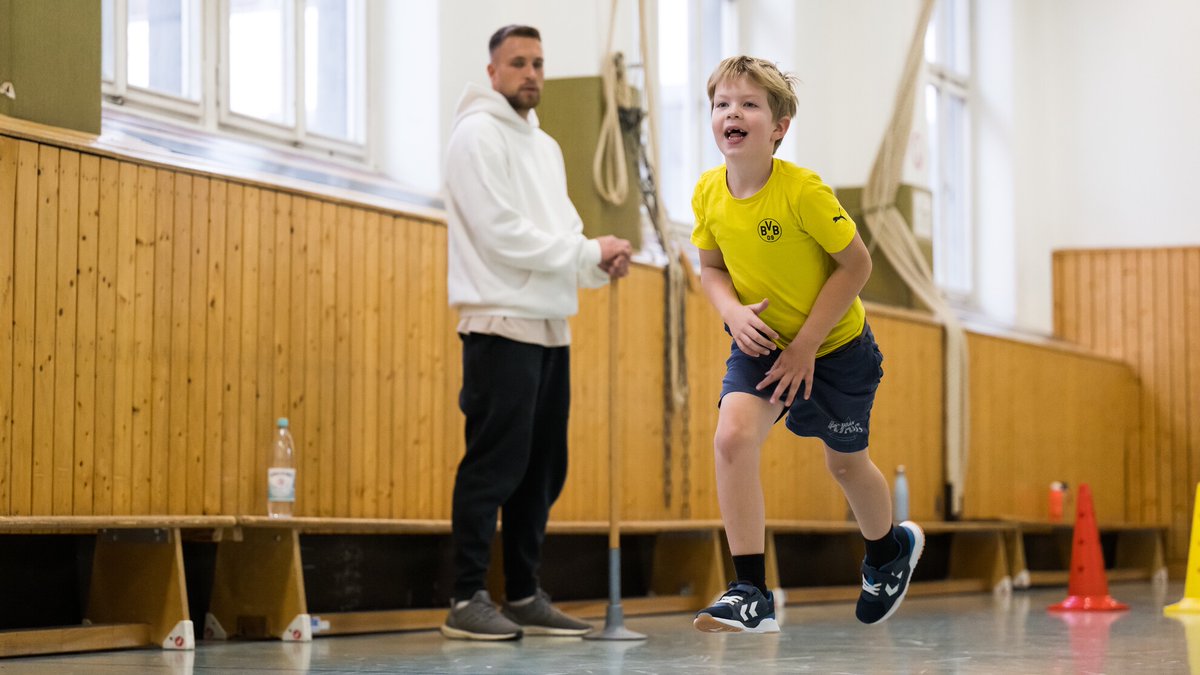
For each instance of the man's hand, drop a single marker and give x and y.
(792, 370)
(752, 335)
(614, 255)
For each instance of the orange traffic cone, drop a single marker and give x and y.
(1088, 587)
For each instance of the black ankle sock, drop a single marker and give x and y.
(883, 550)
(752, 569)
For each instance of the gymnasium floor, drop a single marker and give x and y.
(953, 634)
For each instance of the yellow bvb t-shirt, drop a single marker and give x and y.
(776, 245)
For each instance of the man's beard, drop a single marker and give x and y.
(521, 101)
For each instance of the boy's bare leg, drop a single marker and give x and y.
(866, 489)
(742, 427)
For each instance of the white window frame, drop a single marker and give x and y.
(119, 92)
(212, 114)
(953, 234)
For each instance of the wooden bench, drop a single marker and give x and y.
(137, 595)
(260, 587)
(1040, 552)
(959, 557)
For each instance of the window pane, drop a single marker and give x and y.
(261, 58)
(164, 46)
(674, 111)
(107, 48)
(333, 63)
(952, 228)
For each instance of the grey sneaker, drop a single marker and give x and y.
(479, 620)
(539, 617)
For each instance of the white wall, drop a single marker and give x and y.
(1107, 94)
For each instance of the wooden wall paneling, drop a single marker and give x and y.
(106, 327)
(327, 341)
(267, 411)
(281, 342)
(444, 396)
(232, 389)
(341, 422)
(8, 208)
(195, 373)
(426, 404)
(1140, 492)
(1177, 341)
(906, 422)
(66, 317)
(585, 495)
(640, 361)
(1115, 330)
(43, 336)
(1084, 327)
(129, 212)
(23, 355)
(216, 357)
(1058, 292)
(1145, 368)
(370, 364)
(171, 366)
(384, 424)
(247, 430)
(309, 499)
(84, 441)
(161, 301)
(1069, 324)
(1163, 308)
(401, 405)
(1191, 293)
(708, 347)
(143, 341)
(356, 449)
(297, 360)
(1102, 306)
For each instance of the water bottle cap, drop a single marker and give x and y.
(899, 468)
(282, 423)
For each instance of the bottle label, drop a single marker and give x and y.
(281, 484)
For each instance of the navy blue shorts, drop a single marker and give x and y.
(839, 410)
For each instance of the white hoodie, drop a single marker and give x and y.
(516, 242)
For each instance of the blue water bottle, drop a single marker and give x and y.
(900, 496)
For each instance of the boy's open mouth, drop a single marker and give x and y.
(735, 132)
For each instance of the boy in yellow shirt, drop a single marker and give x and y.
(783, 265)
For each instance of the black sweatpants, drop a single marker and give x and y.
(516, 398)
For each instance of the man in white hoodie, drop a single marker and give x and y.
(517, 258)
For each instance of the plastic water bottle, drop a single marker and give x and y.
(281, 475)
(900, 495)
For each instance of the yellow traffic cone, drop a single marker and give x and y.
(1190, 604)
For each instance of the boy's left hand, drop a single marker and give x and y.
(793, 369)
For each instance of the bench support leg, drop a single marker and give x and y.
(258, 588)
(137, 577)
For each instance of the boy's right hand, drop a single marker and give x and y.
(753, 336)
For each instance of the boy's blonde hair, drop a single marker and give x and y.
(780, 86)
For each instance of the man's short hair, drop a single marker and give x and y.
(513, 30)
(780, 87)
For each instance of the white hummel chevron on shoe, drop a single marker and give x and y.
(884, 588)
(742, 609)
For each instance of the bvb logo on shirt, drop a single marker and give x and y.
(769, 230)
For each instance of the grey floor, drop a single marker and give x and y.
(954, 634)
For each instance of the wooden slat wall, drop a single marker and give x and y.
(154, 322)
(1143, 306)
(1035, 419)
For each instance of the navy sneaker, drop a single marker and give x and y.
(884, 588)
(742, 609)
